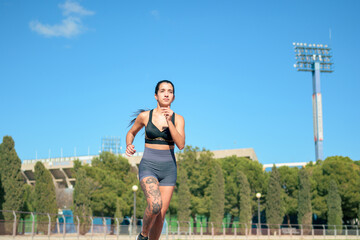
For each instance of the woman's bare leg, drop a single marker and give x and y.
(150, 186)
(166, 194)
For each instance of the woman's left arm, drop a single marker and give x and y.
(177, 131)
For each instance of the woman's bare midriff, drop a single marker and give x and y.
(159, 146)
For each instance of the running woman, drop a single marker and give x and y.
(157, 169)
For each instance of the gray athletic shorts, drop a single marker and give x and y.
(160, 164)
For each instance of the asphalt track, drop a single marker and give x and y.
(174, 237)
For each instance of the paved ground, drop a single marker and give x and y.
(174, 237)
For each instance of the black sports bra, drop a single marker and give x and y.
(154, 136)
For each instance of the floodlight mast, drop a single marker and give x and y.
(315, 58)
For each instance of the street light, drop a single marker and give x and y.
(258, 195)
(134, 188)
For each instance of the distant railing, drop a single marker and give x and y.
(40, 224)
(86, 158)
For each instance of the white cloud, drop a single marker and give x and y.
(69, 27)
(155, 13)
(71, 7)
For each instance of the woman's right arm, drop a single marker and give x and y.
(138, 125)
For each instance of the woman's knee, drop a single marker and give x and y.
(156, 207)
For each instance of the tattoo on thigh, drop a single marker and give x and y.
(151, 180)
(154, 191)
(150, 188)
(143, 187)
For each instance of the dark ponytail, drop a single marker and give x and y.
(135, 115)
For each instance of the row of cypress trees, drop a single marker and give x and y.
(11, 181)
(274, 210)
(200, 190)
(17, 196)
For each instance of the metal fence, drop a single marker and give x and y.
(50, 225)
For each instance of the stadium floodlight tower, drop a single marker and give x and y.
(111, 144)
(315, 58)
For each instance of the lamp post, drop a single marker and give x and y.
(134, 188)
(258, 195)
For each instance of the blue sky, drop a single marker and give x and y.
(72, 72)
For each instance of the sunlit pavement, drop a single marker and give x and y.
(172, 237)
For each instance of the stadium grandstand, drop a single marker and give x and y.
(60, 168)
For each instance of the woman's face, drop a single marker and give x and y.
(165, 95)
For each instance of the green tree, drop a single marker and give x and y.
(255, 175)
(274, 205)
(112, 178)
(304, 206)
(318, 190)
(119, 208)
(357, 162)
(45, 197)
(335, 213)
(359, 214)
(199, 167)
(289, 182)
(11, 181)
(29, 198)
(173, 207)
(232, 189)
(2, 193)
(217, 198)
(245, 213)
(82, 202)
(347, 174)
(184, 196)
